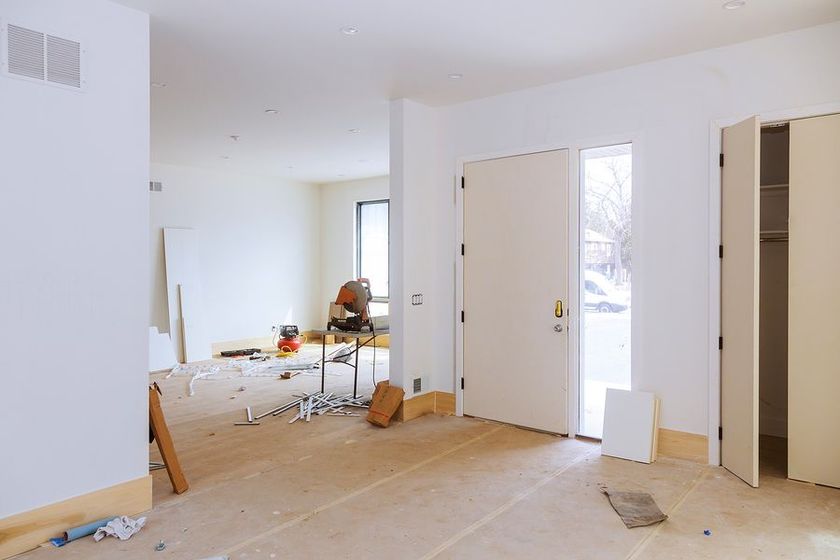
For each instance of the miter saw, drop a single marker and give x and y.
(353, 297)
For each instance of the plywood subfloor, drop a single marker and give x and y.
(439, 487)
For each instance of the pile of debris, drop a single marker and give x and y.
(307, 404)
(259, 364)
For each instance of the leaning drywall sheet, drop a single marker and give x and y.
(630, 424)
(161, 351)
(182, 268)
(196, 342)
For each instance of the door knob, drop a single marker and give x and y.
(558, 328)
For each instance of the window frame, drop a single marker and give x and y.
(359, 205)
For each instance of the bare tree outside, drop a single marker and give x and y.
(608, 209)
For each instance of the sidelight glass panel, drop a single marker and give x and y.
(606, 279)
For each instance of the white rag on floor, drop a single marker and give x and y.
(120, 527)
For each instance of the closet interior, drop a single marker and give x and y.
(773, 299)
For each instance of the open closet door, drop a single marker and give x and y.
(814, 310)
(740, 206)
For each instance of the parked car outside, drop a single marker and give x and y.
(601, 295)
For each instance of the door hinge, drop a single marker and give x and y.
(720, 343)
(462, 383)
(720, 251)
(721, 160)
(462, 249)
(462, 181)
(720, 433)
(462, 315)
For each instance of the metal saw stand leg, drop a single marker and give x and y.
(323, 360)
(355, 369)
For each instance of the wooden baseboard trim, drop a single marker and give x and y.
(684, 445)
(434, 402)
(27, 530)
(444, 403)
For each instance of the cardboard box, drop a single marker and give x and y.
(384, 404)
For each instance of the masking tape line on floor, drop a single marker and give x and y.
(304, 516)
(504, 507)
(642, 544)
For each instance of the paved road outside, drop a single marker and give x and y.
(606, 364)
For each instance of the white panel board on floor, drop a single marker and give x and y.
(161, 352)
(630, 424)
(194, 334)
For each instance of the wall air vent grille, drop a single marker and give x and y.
(64, 62)
(26, 52)
(42, 57)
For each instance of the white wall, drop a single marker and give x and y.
(667, 108)
(421, 262)
(74, 238)
(258, 241)
(338, 234)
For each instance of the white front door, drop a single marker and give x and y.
(516, 290)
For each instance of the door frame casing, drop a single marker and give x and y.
(715, 149)
(573, 226)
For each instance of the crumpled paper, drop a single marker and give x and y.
(120, 527)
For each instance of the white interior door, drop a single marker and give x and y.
(515, 273)
(814, 301)
(740, 206)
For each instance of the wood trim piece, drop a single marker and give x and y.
(27, 530)
(434, 402)
(684, 445)
(416, 407)
(165, 443)
(444, 403)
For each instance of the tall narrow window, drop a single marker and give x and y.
(372, 246)
(606, 279)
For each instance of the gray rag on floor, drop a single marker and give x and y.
(636, 509)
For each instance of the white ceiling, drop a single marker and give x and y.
(225, 62)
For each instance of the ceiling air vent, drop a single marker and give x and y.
(42, 57)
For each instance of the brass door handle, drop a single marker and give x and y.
(558, 308)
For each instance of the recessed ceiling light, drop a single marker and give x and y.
(349, 30)
(158, 84)
(354, 131)
(271, 111)
(734, 4)
(455, 76)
